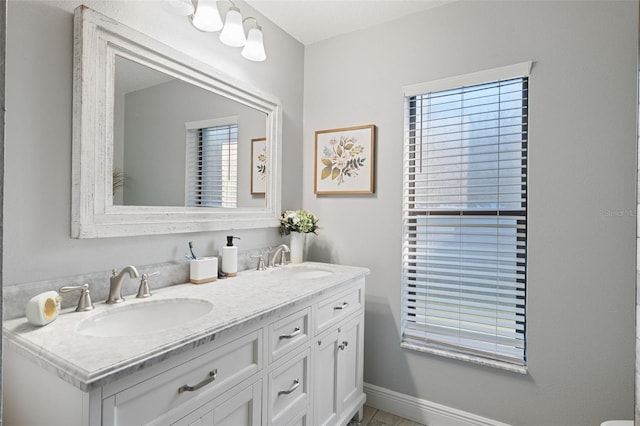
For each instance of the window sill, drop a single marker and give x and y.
(468, 358)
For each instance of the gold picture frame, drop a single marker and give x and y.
(344, 160)
(259, 166)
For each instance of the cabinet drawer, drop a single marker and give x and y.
(334, 308)
(186, 385)
(289, 389)
(242, 408)
(288, 333)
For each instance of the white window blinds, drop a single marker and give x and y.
(464, 221)
(212, 172)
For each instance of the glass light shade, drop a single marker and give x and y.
(207, 18)
(254, 49)
(233, 32)
(179, 7)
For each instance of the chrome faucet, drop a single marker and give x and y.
(115, 283)
(281, 250)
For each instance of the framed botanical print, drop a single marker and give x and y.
(258, 166)
(344, 160)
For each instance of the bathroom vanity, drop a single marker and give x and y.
(276, 347)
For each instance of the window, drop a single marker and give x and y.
(212, 154)
(465, 217)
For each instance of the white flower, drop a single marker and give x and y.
(297, 221)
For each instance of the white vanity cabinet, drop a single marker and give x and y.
(338, 349)
(296, 364)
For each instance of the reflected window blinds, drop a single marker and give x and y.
(465, 221)
(212, 170)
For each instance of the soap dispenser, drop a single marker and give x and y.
(230, 257)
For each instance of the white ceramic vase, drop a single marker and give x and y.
(297, 247)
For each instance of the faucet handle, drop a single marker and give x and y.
(283, 258)
(84, 302)
(260, 258)
(143, 290)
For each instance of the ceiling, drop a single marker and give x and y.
(310, 21)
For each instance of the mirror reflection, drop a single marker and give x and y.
(177, 144)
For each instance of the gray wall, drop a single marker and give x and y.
(37, 218)
(582, 168)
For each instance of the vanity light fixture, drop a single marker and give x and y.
(254, 48)
(205, 17)
(179, 7)
(233, 32)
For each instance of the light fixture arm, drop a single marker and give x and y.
(249, 17)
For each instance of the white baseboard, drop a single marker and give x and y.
(422, 411)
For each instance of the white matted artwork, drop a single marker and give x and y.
(258, 166)
(344, 160)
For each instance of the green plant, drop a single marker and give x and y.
(298, 221)
(120, 180)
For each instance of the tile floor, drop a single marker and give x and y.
(374, 417)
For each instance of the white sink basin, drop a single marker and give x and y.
(303, 272)
(144, 318)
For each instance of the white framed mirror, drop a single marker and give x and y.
(162, 142)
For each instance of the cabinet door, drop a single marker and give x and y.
(243, 408)
(325, 404)
(338, 374)
(349, 367)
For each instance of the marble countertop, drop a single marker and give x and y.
(88, 362)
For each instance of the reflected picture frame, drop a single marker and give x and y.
(345, 160)
(258, 166)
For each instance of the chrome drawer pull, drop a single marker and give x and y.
(296, 385)
(211, 378)
(296, 331)
(339, 308)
